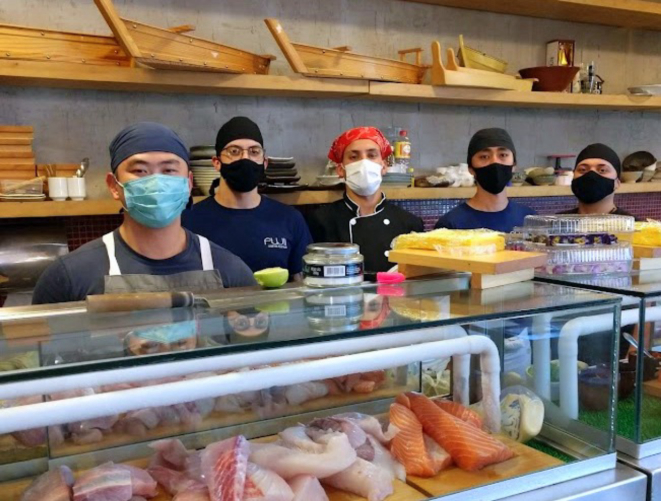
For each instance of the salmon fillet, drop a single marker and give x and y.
(461, 412)
(408, 446)
(471, 448)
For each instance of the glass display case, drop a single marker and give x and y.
(421, 390)
(639, 407)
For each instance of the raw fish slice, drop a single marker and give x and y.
(370, 424)
(299, 393)
(55, 435)
(408, 446)
(142, 482)
(171, 453)
(31, 438)
(403, 400)
(384, 460)
(236, 403)
(461, 412)
(364, 479)
(307, 488)
(439, 457)
(175, 482)
(103, 423)
(193, 467)
(106, 482)
(138, 498)
(288, 463)
(271, 403)
(87, 437)
(54, 485)
(264, 485)
(357, 437)
(297, 437)
(224, 465)
(471, 448)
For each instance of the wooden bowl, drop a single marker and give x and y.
(550, 78)
(594, 388)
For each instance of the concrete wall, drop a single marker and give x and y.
(72, 124)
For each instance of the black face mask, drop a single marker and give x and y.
(494, 177)
(243, 175)
(592, 187)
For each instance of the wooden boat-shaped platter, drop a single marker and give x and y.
(473, 58)
(340, 62)
(170, 49)
(33, 44)
(456, 76)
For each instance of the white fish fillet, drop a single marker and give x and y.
(384, 460)
(288, 463)
(299, 393)
(297, 437)
(371, 425)
(364, 479)
(264, 485)
(307, 488)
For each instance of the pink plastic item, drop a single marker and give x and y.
(389, 278)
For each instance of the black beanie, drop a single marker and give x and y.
(598, 150)
(490, 138)
(238, 128)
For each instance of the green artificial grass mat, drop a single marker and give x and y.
(626, 418)
(547, 449)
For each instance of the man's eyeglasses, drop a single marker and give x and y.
(235, 153)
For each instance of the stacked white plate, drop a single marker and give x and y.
(204, 172)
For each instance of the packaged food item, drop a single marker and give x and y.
(332, 264)
(453, 242)
(581, 224)
(595, 260)
(648, 233)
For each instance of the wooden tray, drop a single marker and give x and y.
(646, 252)
(473, 58)
(456, 76)
(527, 460)
(492, 270)
(340, 62)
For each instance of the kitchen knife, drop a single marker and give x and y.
(109, 303)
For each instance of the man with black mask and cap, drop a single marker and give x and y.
(262, 232)
(150, 251)
(596, 179)
(491, 159)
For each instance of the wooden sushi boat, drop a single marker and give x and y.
(472, 58)
(24, 43)
(340, 62)
(171, 49)
(133, 43)
(453, 75)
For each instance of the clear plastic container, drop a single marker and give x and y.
(594, 260)
(576, 224)
(21, 187)
(554, 239)
(466, 250)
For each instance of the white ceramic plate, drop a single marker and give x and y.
(646, 90)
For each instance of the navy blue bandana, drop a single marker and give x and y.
(145, 137)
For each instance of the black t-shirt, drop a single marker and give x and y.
(341, 222)
(75, 276)
(270, 235)
(464, 217)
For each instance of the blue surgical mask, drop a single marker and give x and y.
(168, 334)
(156, 201)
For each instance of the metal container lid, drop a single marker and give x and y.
(334, 248)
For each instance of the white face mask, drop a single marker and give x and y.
(363, 177)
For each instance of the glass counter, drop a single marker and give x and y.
(638, 426)
(81, 389)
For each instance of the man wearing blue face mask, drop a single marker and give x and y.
(150, 251)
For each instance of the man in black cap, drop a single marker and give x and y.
(596, 179)
(491, 159)
(262, 232)
(150, 251)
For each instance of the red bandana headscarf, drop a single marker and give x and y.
(336, 152)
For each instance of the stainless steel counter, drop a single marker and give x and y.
(651, 467)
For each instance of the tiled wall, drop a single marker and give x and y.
(83, 229)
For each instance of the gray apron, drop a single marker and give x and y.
(206, 279)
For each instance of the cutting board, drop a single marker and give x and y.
(491, 270)
(526, 460)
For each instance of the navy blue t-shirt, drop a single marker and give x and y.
(270, 235)
(464, 217)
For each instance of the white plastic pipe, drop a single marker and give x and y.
(56, 384)
(568, 349)
(461, 366)
(541, 355)
(105, 404)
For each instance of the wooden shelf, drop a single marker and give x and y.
(10, 210)
(79, 76)
(638, 14)
(509, 98)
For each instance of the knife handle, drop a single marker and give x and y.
(108, 303)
